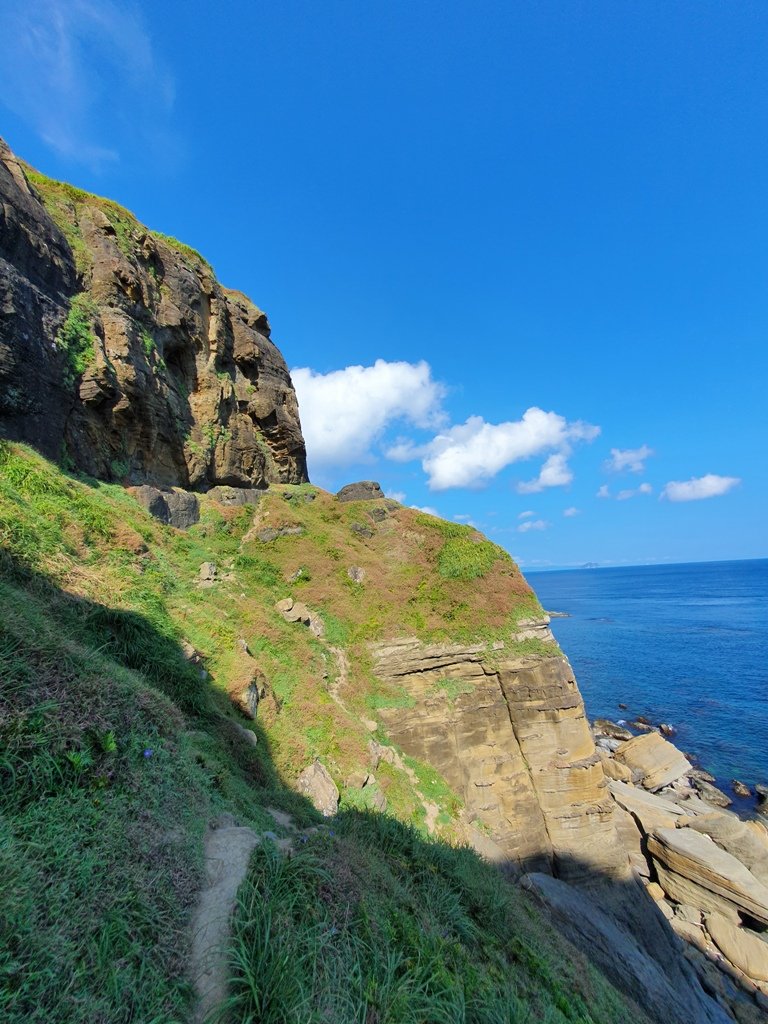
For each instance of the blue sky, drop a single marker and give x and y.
(517, 253)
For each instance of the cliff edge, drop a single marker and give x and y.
(123, 357)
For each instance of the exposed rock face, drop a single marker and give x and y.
(657, 761)
(512, 739)
(177, 383)
(173, 507)
(317, 785)
(364, 490)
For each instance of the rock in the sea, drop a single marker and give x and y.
(317, 785)
(605, 727)
(174, 507)
(690, 855)
(657, 761)
(363, 490)
(711, 793)
(740, 788)
(667, 730)
(744, 948)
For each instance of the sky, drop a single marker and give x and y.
(515, 254)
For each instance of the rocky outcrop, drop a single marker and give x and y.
(316, 784)
(363, 490)
(511, 737)
(121, 353)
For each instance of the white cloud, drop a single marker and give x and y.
(84, 75)
(427, 509)
(532, 524)
(709, 486)
(603, 492)
(630, 460)
(572, 511)
(345, 411)
(526, 515)
(554, 473)
(465, 519)
(396, 496)
(471, 453)
(632, 492)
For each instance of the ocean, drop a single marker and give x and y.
(684, 644)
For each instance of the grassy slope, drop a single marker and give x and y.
(115, 753)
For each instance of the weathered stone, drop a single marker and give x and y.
(657, 760)
(285, 604)
(711, 793)
(741, 839)
(744, 948)
(364, 490)
(184, 387)
(661, 985)
(534, 629)
(268, 534)
(356, 574)
(173, 507)
(380, 752)
(614, 769)
(650, 811)
(696, 857)
(236, 496)
(298, 612)
(207, 572)
(604, 727)
(317, 785)
(740, 788)
(361, 530)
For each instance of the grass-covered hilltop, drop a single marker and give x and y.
(274, 755)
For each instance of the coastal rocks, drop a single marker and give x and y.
(316, 784)
(690, 855)
(512, 739)
(657, 762)
(711, 793)
(171, 506)
(742, 947)
(364, 490)
(740, 788)
(743, 840)
(534, 629)
(604, 727)
(650, 811)
(182, 384)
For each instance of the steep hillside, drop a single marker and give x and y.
(121, 355)
(120, 744)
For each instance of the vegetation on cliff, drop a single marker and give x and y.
(117, 749)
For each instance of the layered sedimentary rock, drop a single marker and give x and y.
(511, 737)
(122, 354)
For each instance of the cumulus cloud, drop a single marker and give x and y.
(630, 460)
(532, 524)
(428, 510)
(396, 496)
(471, 453)
(632, 492)
(554, 473)
(709, 486)
(345, 411)
(526, 515)
(572, 511)
(84, 75)
(603, 492)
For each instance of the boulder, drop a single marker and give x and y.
(298, 612)
(316, 784)
(614, 769)
(657, 761)
(740, 788)
(744, 948)
(693, 856)
(206, 575)
(361, 530)
(650, 811)
(174, 507)
(739, 838)
(247, 693)
(711, 793)
(363, 490)
(235, 496)
(356, 574)
(605, 727)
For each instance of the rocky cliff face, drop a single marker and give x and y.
(121, 354)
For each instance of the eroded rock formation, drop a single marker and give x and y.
(121, 354)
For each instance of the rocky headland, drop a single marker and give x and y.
(377, 660)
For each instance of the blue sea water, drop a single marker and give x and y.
(685, 644)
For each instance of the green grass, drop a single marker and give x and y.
(371, 923)
(76, 338)
(190, 254)
(465, 558)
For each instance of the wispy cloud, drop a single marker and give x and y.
(697, 488)
(569, 513)
(603, 491)
(633, 492)
(427, 509)
(631, 460)
(532, 524)
(526, 515)
(84, 75)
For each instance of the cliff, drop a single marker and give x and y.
(122, 356)
(182, 708)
